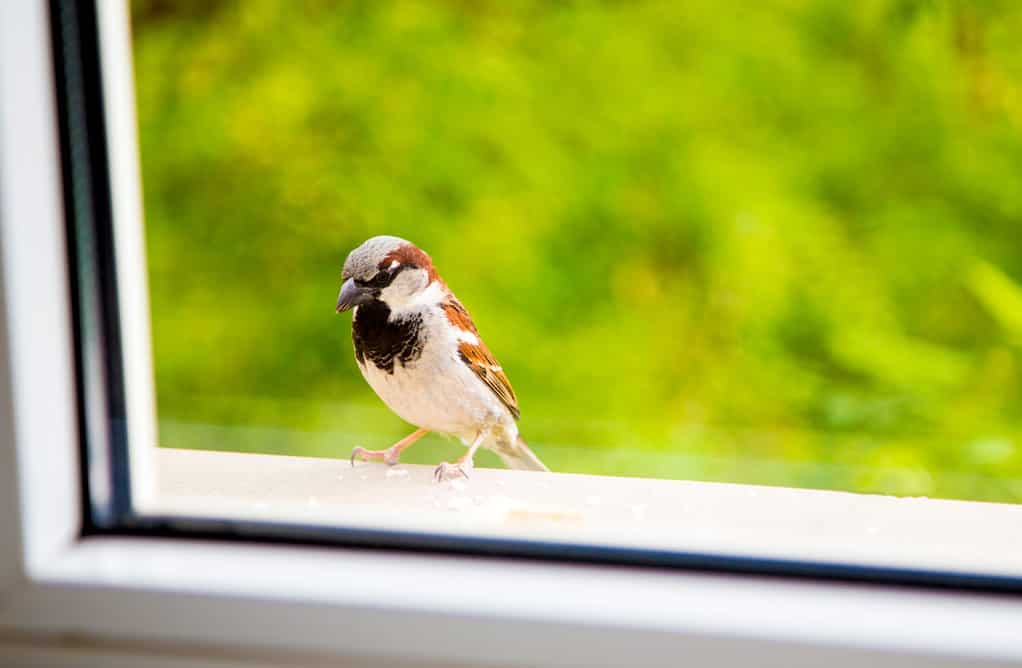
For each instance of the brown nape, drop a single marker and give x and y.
(410, 256)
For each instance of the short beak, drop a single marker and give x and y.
(352, 295)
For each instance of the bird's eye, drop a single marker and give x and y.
(381, 280)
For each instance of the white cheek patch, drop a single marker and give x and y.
(433, 294)
(402, 296)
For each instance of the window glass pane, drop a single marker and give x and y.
(749, 242)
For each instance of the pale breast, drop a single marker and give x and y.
(428, 385)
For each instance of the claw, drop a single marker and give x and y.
(447, 471)
(391, 455)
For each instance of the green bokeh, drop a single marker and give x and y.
(772, 242)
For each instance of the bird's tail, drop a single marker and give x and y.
(519, 456)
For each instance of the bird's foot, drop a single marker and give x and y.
(447, 471)
(391, 456)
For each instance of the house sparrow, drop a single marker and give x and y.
(419, 350)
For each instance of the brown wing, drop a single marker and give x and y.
(479, 358)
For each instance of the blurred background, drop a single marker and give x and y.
(773, 242)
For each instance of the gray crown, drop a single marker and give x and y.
(363, 262)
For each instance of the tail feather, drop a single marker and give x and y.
(520, 456)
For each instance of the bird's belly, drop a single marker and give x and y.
(435, 392)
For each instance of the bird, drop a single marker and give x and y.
(419, 350)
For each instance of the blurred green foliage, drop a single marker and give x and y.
(772, 242)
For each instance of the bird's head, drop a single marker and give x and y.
(385, 269)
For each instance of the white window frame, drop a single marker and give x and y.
(194, 600)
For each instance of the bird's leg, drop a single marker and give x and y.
(463, 464)
(392, 454)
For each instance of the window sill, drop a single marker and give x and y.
(671, 516)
